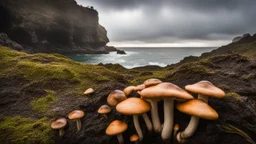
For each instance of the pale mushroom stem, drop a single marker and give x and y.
(203, 97)
(190, 129)
(61, 132)
(168, 118)
(78, 124)
(137, 126)
(148, 122)
(155, 116)
(120, 138)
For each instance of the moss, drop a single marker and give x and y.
(19, 130)
(46, 68)
(232, 129)
(195, 68)
(43, 104)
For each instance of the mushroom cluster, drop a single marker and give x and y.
(150, 93)
(154, 90)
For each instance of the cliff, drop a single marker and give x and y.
(52, 26)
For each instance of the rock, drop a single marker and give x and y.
(53, 26)
(236, 39)
(110, 48)
(5, 41)
(246, 35)
(121, 52)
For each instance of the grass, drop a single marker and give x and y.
(232, 129)
(19, 130)
(43, 104)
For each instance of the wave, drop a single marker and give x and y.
(157, 63)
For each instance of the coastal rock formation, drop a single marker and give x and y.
(53, 26)
(5, 41)
(236, 39)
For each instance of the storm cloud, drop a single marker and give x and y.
(172, 21)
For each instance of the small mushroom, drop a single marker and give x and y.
(151, 82)
(76, 115)
(135, 107)
(197, 109)
(116, 97)
(117, 127)
(134, 138)
(89, 91)
(59, 124)
(128, 90)
(104, 110)
(139, 87)
(166, 91)
(175, 130)
(205, 89)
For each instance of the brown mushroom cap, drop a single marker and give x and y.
(133, 106)
(89, 91)
(139, 87)
(206, 88)
(128, 90)
(116, 97)
(116, 127)
(151, 82)
(76, 114)
(59, 123)
(198, 108)
(164, 90)
(134, 138)
(104, 109)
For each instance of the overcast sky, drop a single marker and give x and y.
(174, 22)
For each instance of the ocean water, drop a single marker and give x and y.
(136, 57)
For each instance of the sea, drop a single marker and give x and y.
(137, 57)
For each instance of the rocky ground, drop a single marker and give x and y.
(35, 89)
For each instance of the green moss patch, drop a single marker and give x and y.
(43, 104)
(18, 130)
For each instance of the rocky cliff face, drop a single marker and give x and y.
(52, 26)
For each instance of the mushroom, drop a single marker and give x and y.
(175, 130)
(89, 91)
(166, 91)
(197, 109)
(134, 138)
(104, 110)
(128, 90)
(205, 89)
(117, 127)
(139, 87)
(116, 97)
(76, 115)
(59, 124)
(151, 82)
(135, 107)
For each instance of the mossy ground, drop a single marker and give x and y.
(19, 130)
(43, 104)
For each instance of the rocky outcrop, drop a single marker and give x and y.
(236, 39)
(5, 41)
(53, 26)
(121, 52)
